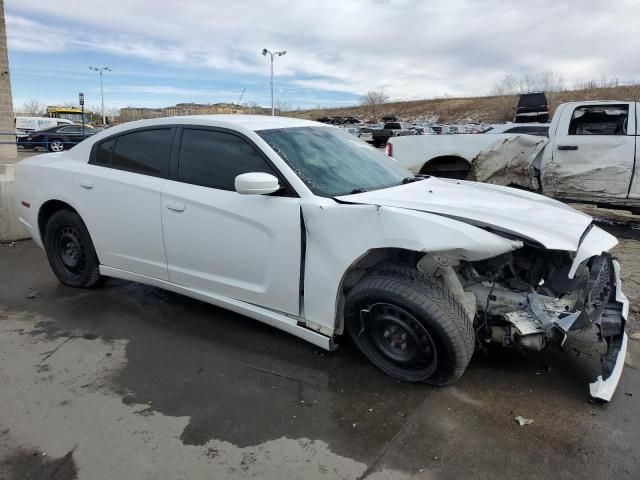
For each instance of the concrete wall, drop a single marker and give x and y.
(8, 153)
(10, 228)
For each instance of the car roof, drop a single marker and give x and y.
(250, 122)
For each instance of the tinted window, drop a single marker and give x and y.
(599, 120)
(70, 130)
(104, 151)
(532, 100)
(146, 151)
(215, 159)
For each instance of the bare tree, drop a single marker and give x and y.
(506, 93)
(33, 107)
(282, 106)
(508, 89)
(373, 98)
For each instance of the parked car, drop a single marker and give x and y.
(26, 125)
(56, 139)
(422, 130)
(589, 156)
(391, 129)
(304, 227)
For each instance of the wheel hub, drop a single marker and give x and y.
(400, 337)
(70, 250)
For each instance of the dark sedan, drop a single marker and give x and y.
(56, 139)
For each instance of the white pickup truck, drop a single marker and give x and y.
(590, 155)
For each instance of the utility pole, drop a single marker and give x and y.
(81, 100)
(266, 52)
(100, 70)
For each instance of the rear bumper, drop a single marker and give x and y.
(612, 324)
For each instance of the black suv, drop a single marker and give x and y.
(532, 107)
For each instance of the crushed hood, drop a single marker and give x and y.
(541, 219)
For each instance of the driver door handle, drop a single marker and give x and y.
(86, 184)
(567, 147)
(176, 207)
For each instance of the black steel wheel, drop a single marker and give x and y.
(410, 326)
(70, 250)
(400, 337)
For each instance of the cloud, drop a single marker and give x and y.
(409, 49)
(31, 36)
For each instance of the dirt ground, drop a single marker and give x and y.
(128, 381)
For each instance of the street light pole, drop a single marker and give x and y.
(100, 71)
(266, 52)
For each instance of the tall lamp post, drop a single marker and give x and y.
(266, 52)
(100, 70)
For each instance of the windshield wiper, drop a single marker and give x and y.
(406, 180)
(358, 190)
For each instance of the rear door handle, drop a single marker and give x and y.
(567, 147)
(176, 207)
(86, 184)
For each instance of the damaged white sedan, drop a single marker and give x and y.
(304, 227)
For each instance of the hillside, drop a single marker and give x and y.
(469, 109)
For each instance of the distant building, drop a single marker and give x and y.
(129, 114)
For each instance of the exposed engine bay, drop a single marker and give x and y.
(525, 299)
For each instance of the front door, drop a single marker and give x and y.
(593, 153)
(247, 247)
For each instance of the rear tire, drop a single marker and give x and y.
(410, 326)
(55, 145)
(70, 250)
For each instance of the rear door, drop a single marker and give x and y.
(246, 247)
(593, 152)
(118, 195)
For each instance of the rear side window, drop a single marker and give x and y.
(70, 130)
(145, 151)
(104, 151)
(215, 159)
(599, 120)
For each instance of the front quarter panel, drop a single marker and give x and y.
(340, 234)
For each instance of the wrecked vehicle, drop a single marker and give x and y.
(590, 155)
(308, 229)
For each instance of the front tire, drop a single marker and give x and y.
(410, 326)
(70, 250)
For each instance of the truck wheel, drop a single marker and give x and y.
(70, 250)
(410, 326)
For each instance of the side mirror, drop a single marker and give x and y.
(256, 183)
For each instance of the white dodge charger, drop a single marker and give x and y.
(307, 228)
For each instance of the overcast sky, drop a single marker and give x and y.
(163, 52)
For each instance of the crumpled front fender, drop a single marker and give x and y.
(339, 234)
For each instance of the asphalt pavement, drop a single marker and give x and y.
(128, 381)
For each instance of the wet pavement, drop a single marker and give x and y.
(129, 381)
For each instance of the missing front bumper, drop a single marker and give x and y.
(612, 325)
(605, 305)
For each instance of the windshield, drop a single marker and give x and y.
(331, 162)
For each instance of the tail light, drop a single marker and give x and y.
(388, 149)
